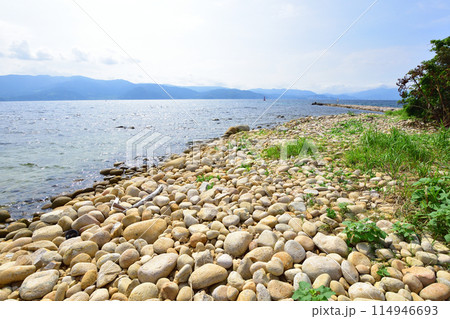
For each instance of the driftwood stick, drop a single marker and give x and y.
(116, 205)
(149, 197)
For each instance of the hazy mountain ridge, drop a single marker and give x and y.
(44, 87)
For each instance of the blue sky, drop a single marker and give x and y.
(244, 44)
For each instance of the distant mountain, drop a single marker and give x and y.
(382, 93)
(44, 88)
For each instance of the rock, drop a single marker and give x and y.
(425, 275)
(357, 258)
(207, 275)
(47, 233)
(267, 238)
(275, 267)
(301, 277)
(392, 284)
(235, 280)
(231, 220)
(61, 201)
(277, 209)
(337, 287)
(158, 267)
(331, 244)
(235, 129)
(148, 230)
(15, 273)
(260, 254)
(309, 228)
(207, 213)
(100, 238)
(169, 291)
(79, 296)
(322, 280)
(108, 272)
(128, 257)
(84, 221)
(365, 290)
(413, 282)
(86, 247)
(297, 207)
(392, 296)
(436, 292)
(427, 258)
(225, 261)
(220, 293)
(4, 215)
(185, 294)
(236, 243)
(38, 284)
(80, 269)
(89, 278)
(262, 294)
(280, 290)
(176, 163)
(317, 265)
(296, 251)
(99, 295)
(161, 200)
(144, 291)
(247, 295)
(349, 271)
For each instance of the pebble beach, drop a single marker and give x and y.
(221, 222)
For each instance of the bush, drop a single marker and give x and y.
(425, 90)
(363, 231)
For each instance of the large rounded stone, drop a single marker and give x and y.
(296, 251)
(436, 292)
(365, 290)
(87, 247)
(280, 290)
(349, 271)
(107, 273)
(148, 230)
(38, 284)
(425, 275)
(15, 273)
(260, 254)
(317, 265)
(47, 233)
(331, 244)
(144, 291)
(236, 244)
(158, 267)
(207, 275)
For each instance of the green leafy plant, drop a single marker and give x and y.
(343, 207)
(306, 293)
(432, 199)
(331, 213)
(209, 186)
(405, 230)
(246, 166)
(363, 231)
(382, 272)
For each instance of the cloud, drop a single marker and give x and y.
(21, 51)
(79, 55)
(109, 60)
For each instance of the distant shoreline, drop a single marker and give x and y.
(359, 107)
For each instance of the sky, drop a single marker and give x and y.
(241, 44)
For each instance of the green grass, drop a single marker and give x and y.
(398, 152)
(352, 126)
(299, 147)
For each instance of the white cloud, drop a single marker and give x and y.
(21, 50)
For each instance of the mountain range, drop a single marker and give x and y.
(47, 88)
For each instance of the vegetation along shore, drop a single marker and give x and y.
(343, 207)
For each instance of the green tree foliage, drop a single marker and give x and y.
(425, 90)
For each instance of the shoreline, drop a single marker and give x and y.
(359, 107)
(228, 224)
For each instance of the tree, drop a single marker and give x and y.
(425, 90)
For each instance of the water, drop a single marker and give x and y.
(47, 148)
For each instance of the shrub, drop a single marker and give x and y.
(306, 293)
(363, 231)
